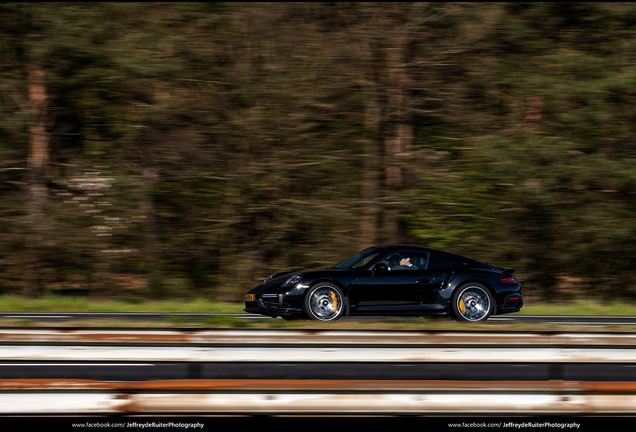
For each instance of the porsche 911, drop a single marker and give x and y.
(391, 281)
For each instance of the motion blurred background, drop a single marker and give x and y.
(187, 150)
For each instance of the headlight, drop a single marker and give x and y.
(293, 280)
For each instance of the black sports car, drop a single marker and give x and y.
(391, 280)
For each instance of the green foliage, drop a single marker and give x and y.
(48, 303)
(219, 142)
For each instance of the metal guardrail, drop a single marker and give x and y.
(231, 337)
(313, 397)
(316, 355)
(314, 346)
(306, 397)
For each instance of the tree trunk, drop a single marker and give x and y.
(399, 134)
(371, 187)
(150, 234)
(36, 163)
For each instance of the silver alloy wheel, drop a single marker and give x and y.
(473, 303)
(325, 303)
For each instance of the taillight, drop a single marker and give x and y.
(509, 280)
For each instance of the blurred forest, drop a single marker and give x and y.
(191, 149)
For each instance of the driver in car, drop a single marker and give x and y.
(396, 262)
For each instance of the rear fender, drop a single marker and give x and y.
(458, 280)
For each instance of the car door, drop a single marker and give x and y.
(383, 287)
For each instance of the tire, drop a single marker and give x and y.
(472, 303)
(324, 302)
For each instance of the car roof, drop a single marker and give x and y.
(397, 247)
(393, 247)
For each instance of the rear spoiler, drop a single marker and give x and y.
(508, 270)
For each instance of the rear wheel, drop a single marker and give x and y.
(472, 302)
(324, 302)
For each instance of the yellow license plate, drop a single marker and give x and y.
(249, 297)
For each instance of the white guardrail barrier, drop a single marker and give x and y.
(279, 397)
(307, 397)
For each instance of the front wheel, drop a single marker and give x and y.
(324, 302)
(472, 303)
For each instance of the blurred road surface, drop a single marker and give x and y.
(147, 316)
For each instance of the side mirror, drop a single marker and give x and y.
(380, 268)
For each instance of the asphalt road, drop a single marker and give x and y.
(509, 318)
(143, 371)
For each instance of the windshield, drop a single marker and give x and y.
(360, 260)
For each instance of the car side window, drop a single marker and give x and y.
(406, 260)
(439, 261)
(420, 260)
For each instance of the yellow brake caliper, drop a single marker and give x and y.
(335, 300)
(462, 306)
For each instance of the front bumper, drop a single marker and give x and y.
(272, 304)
